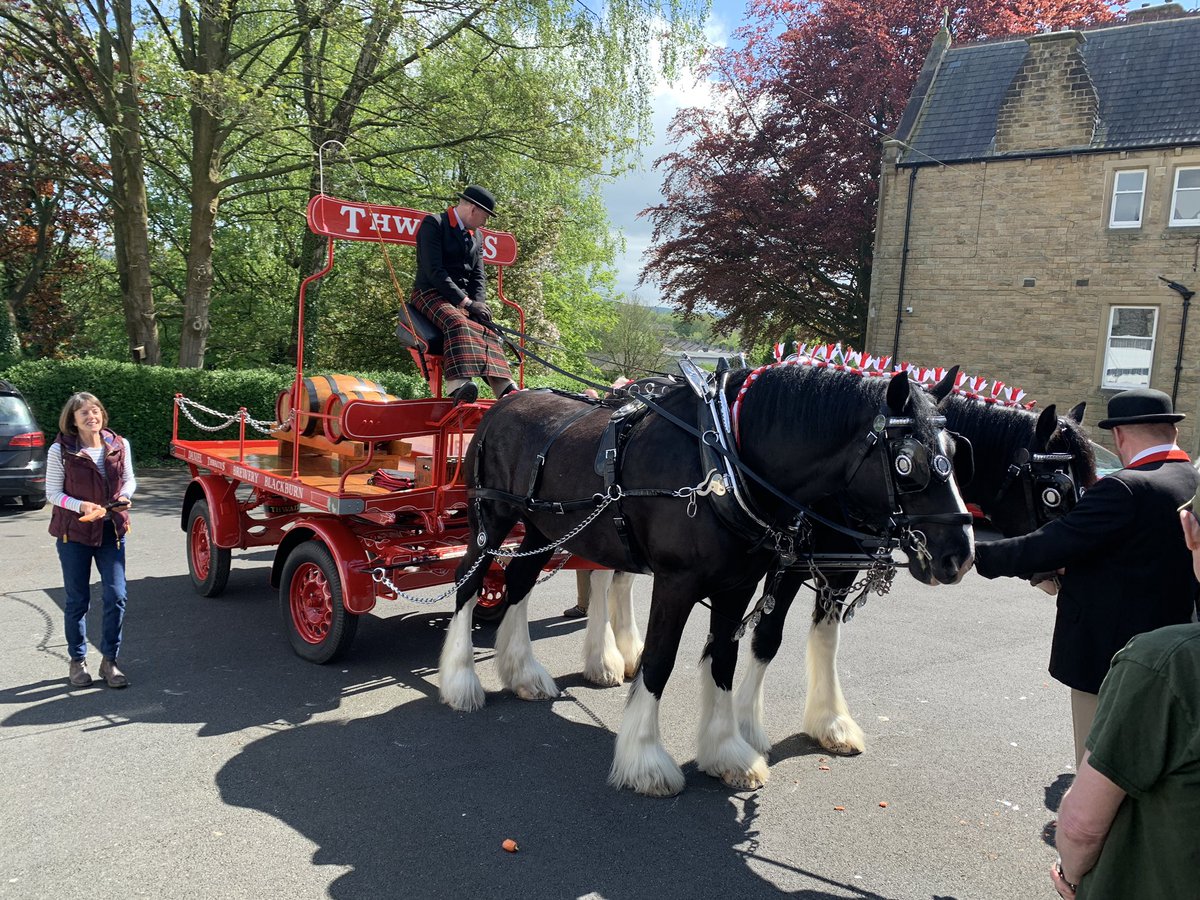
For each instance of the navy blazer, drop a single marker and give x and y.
(445, 264)
(1128, 569)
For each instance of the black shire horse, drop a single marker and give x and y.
(802, 430)
(1028, 468)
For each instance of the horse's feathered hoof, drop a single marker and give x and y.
(744, 781)
(662, 780)
(736, 763)
(840, 735)
(602, 677)
(463, 693)
(538, 691)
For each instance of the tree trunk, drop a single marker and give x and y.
(205, 198)
(129, 183)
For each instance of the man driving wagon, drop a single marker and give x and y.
(450, 290)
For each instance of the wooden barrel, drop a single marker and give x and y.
(283, 406)
(314, 394)
(333, 409)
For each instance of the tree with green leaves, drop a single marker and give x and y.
(92, 47)
(770, 199)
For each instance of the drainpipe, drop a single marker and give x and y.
(1187, 302)
(912, 180)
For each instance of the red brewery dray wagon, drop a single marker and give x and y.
(360, 493)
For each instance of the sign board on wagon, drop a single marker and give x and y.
(348, 220)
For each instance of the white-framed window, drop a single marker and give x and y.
(1185, 198)
(1129, 348)
(1129, 192)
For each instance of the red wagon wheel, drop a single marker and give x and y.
(208, 564)
(310, 604)
(488, 608)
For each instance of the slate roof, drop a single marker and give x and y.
(1145, 76)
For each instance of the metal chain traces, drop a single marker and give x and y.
(258, 425)
(877, 580)
(379, 576)
(515, 554)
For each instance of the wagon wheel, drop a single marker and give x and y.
(208, 564)
(310, 603)
(489, 608)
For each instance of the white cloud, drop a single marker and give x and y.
(640, 187)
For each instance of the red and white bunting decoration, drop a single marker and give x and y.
(836, 356)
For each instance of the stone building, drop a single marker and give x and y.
(1040, 198)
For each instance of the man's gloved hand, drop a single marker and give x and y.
(480, 312)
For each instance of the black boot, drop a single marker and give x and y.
(468, 393)
(508, 390)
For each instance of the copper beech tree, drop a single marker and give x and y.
(770, 197)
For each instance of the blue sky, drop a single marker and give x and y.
(627, 196)
(639, 189)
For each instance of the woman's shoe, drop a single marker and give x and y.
(79, 674)
(112, 676)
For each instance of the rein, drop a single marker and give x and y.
(504, 332)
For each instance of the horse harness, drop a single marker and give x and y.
(908, 468)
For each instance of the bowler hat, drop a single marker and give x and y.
(481, 197)
(1141, 406)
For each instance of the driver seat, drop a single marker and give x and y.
(424, 341)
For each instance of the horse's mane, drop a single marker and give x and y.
(824, 398)
(999, 431)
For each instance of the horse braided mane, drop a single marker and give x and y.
(824, 397)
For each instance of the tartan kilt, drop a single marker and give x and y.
(470, 350)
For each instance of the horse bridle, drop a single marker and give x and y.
(1049, 487)
(908, 467)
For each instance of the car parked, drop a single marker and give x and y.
(22, 450)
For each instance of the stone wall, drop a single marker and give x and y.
(1013, 270)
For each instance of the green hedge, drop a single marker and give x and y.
(139, 398)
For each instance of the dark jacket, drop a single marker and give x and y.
(83, 480)
(445, 264)
(1128, 569)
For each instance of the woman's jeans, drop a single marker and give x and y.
(76, 562)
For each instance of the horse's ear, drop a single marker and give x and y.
(1047, 424)
(898, 393)
(942, 389)
(1076, 413)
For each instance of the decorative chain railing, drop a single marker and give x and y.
(186, 406)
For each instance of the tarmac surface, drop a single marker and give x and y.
(231, 768)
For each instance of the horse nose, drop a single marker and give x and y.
(956, 566)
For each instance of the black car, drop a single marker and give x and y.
(22, 450)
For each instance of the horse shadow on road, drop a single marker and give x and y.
(417, 801)
(414, 801)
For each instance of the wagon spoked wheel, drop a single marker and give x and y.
(490, 606)
(310, 603)
(208, 564)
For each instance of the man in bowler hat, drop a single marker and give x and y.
(451, 291)
(1125, 568)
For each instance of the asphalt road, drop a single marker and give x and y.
(231, 768)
